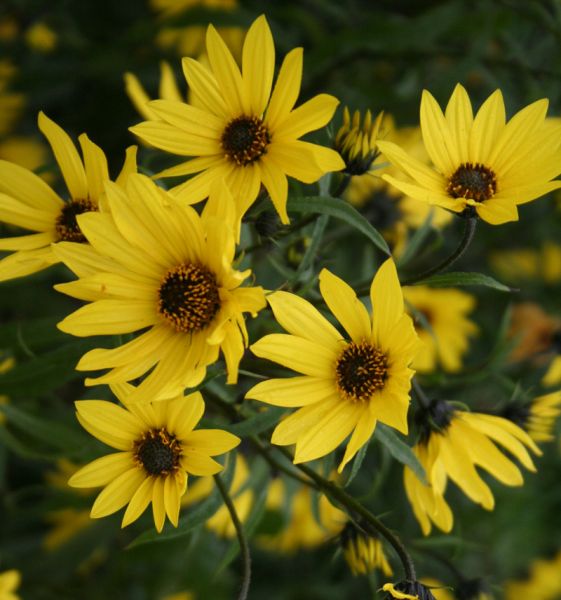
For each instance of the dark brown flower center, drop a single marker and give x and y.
(189, 297)
(245, 139)
(361, 370)
(158, 452)
(472, 181)
(66, 225)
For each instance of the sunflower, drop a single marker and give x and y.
(9, 582)
(238, 130)
(481, 163)
(452, 444)
(538, 417)
(364, 552)
(158, 448)
(345, 386)
(309, 521)
(28, 202)
(156, 264)
(442, 324)
(407, 590)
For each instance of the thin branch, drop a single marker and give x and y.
(246, 557)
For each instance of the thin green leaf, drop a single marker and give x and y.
(459, 279)
(260, 422)
(399, 450)
(339, 209)
(416, 241)
(313, 248)
(53, 433)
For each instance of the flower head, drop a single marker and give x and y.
(158, 448)
(28, 202)
(538, 417)
(442, 325)
(239, 130)
(9, 582)
(346, 385)
(356, 141)
(453, 443)
(481, 163)
(363, 552)
(156, 264)
(408, 590)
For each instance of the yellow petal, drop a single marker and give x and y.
(199, 464)
(437, 137)
(293, 391)
(258, 64)
(24, 185)
(387, 302)
(364, 429)
(210, 441)
(345, 306)
(174, 140)
(460, 118)
(204, 87)
(95, 163)
(111, 418)
(312, 115)
(67, 158)
(158, 504)
(139, 501)
(286, 90)
(184, 414)
(172, 499)
(102, 470)
(117, 493)
(487, 126)
(275, 182)
(189, 119)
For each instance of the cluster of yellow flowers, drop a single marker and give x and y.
(151, 266)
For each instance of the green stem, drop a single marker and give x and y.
(246, 558)
(469, 231)
(368, 519)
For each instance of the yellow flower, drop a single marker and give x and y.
(5, 365)
(439, 591)
(26, 152)
(168, 90)
(521, 264)
(453, 444)
(221, 522)
(157, 266)
(442, 325)
(408, 590)
(158, 448)
(542, 583)
(41, 37)
(9, 582)
(481, 163)
(305, 528)
(534, 332)
(238, 130)
(364, 552)
(28, 202)
(537, 417)
(345, 386)
(356, 141)
(553, 373)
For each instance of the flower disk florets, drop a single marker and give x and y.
(66, 226)
(361, 370)
(472, 181)
(189, 297)
(245, 140)
(158, 452)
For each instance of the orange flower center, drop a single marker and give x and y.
(472, 181)
(361, 370)
(189, 297)
(245, 140)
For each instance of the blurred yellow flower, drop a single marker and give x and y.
(41, 37)
(542, 583)
(9, 582)
(442, 324)
(543, 264)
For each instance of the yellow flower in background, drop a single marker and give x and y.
(356, 141)
(11, 103)
(303, 527)
(6, 364)
(238, 130)
(158, 447)
(25, 152)
(363, 552)
(553, 374)
(346, 387)
(26, 201)
(538, 417)
(157, 267)
(543, 264)
(168, 90)
(533, 332)
(9, 582)
(65, 524)
(41, 37)
(454, 444)
(387, 208)
(543, 581)
(440, 317)
(407, 590)
(481, 162)
(179, 596)
(221, 522)
(190, 40)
